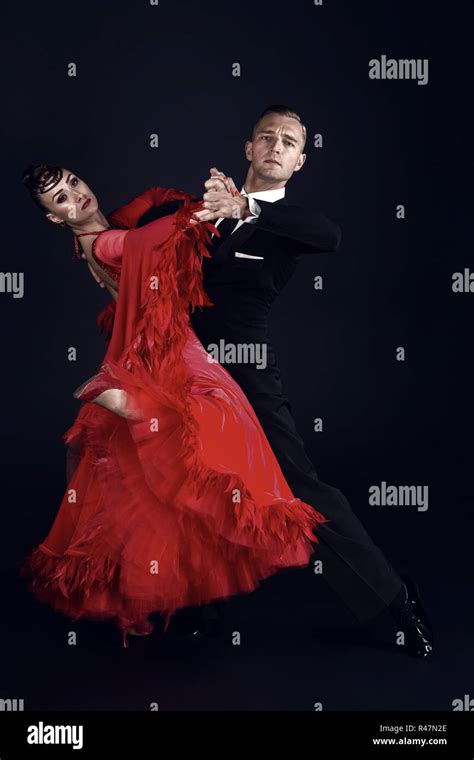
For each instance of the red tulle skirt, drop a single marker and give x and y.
(184, 503)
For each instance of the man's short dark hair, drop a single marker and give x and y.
(284, 111)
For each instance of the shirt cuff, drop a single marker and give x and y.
(254, 209)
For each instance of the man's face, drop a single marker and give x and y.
(276, 148)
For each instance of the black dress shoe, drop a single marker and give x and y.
(412, 619)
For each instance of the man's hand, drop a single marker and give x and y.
(219, 181)
(113, 291)
(222, 199)
(94, 273)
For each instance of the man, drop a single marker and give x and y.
(262, 237)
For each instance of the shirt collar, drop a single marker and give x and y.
(265, 195)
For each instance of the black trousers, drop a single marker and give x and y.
(352, 565)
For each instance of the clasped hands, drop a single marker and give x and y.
(221, 199)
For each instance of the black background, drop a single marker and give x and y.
(168, 69)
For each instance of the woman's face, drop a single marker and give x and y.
(70, 201)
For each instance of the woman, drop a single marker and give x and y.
(177, 499)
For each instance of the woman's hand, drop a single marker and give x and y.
(222, 199)
(217, 181)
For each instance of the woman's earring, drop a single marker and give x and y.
(62, 224)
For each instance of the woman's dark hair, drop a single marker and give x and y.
(38, 179)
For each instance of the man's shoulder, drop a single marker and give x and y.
(288, 201)
(286, 207)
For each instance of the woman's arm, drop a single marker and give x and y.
(129, 215)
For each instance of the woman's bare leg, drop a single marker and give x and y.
(118, 402)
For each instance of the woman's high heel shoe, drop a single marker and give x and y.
(140, 629)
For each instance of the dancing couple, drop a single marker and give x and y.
(192, 484)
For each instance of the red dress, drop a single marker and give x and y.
(184, 503)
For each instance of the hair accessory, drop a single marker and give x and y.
(44, 178)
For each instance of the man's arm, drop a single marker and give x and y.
(311, 230)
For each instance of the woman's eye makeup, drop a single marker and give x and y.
(72, 182)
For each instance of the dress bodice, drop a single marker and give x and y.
(107, 251)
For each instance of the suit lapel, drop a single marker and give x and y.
(236, 241)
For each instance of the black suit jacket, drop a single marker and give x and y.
(243, 289)
(303, 231)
